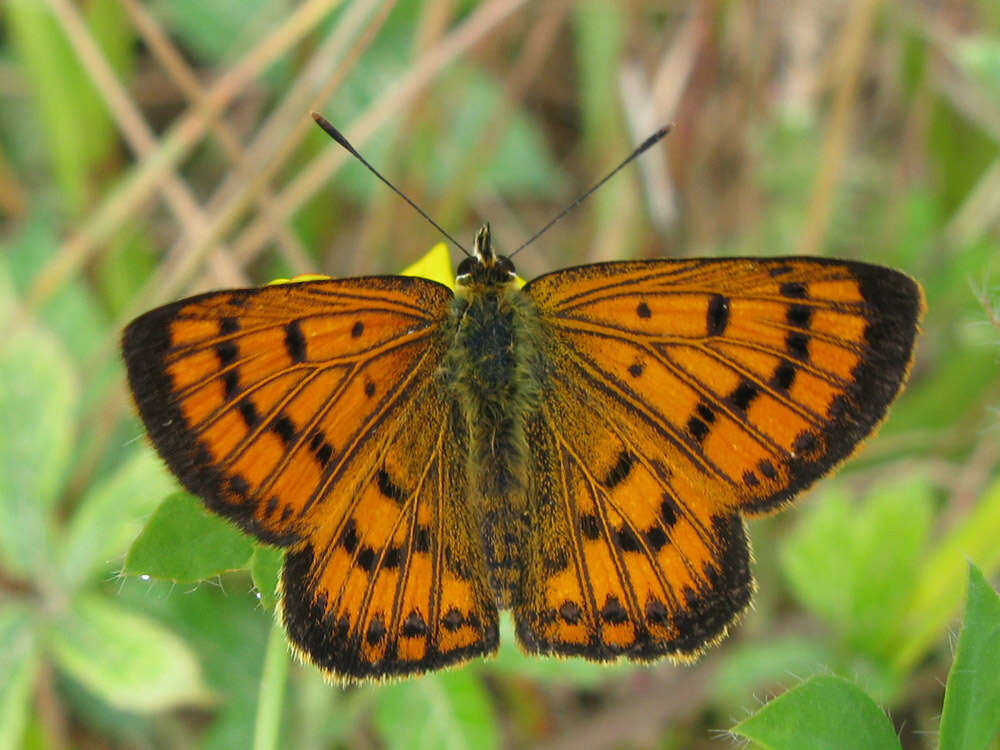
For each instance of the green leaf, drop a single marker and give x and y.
(856, 564)
(124, 658)
(823, 712)
(38, 402)
(971, 716)
(112, 514)
(265, 568)
(184, 542)
(18, 665)
(449, 710)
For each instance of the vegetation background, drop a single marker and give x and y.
(150, 150)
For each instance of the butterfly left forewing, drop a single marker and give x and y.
(255, 397)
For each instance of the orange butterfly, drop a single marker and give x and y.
(581, 451)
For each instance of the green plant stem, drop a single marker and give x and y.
(272, 690)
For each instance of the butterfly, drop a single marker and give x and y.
(582, 451)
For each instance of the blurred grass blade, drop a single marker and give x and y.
(823, 713)
(73, 117)
(971, 716)
(939, 586)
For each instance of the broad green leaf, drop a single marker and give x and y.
(442, 710)
(855, 563)
(938, 592)
(112, 514)
(38, 403)
(265, 568)
(125, 658)
(18, 666)
(971, 716)
(184, 542)
(823, 713)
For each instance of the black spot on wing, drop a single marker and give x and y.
(797, 346)
(295, 342)
(249, 413)
(414, 625)
(794, 290)
(226, 352)
(743, 395)
(620, 470)
(698, 429)
(284, 428)
(799, 316)
(784, 376)
(718, 314)
(613, 612)
(590, 526)
(570, 612)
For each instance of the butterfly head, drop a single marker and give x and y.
(485, 268)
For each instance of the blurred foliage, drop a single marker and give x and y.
(152, 150)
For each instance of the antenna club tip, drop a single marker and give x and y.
(658, 135)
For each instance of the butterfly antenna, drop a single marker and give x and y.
(646, 144)
(339, 138)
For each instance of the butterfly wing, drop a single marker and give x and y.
(311, 415)
(711, 388)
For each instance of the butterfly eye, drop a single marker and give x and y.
(505, 266)
(465, 267)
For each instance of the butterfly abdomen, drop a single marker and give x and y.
(492, 377)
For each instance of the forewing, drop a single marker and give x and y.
(759, 375)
